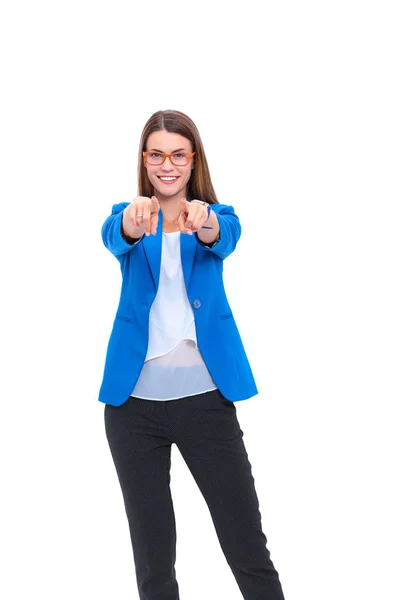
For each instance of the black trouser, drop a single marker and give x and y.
(206, 430)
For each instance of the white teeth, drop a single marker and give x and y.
(167, 178)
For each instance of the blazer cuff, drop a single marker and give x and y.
(211, 245)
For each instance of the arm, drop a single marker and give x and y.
(112, 232)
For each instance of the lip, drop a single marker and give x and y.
(168, 182)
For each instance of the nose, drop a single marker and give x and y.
(167, 164)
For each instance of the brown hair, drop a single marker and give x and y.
(174, 121)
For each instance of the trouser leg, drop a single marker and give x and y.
(141, 451)
(209, 438)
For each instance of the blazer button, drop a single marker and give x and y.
(196, 303)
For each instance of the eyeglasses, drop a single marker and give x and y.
(179, 159)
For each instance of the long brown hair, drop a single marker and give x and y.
(174, 121)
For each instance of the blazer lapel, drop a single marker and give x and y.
(188, 252)
(152, 245)
(152, 248)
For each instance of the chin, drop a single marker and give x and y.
(167, 191)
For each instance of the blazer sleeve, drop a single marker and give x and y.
(111, 231)
(229, 234)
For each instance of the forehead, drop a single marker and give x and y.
(167, 141)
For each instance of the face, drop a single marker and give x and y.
(164, 141)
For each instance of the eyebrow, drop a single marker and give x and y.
(157, 150)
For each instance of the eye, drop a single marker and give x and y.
(155, 154)
(180, 155)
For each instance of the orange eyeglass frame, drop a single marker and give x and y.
(190, 155)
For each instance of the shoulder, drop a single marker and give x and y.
(223, 209)
(117, 208)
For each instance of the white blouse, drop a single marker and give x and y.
(174, 367)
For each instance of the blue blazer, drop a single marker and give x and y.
(218, 337)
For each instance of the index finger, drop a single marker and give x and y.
(154, 223)
(182, 225)
(146, 218)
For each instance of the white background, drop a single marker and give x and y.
(297, 104)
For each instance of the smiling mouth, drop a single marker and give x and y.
(166, 178)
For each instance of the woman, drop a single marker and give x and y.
(175, 364)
